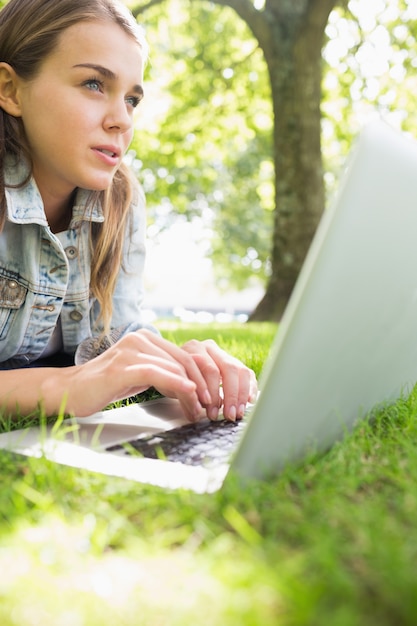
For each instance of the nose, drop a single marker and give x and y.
(118, 118)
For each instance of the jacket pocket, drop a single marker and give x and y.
(12, 296)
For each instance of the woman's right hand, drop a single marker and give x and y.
(136, 362)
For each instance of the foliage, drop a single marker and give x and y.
(371, 60)
(207, 154)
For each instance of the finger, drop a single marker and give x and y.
(172, 385)
(239, 382)
(123, 372)
(211, 374)
(253, 387)
(212, 377)
(150, 343)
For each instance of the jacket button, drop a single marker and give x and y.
(76, 316)
(71, 252)
(12, 284)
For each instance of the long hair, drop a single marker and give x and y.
(29, 32)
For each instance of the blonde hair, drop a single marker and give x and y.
(29, 32)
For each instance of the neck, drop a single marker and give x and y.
(59, 223)
(59, 215)
(58, 209)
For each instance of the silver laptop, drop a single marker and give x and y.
(347, 343)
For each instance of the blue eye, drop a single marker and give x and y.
(94, 84)
(133, 101)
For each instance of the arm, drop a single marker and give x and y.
(191, 374)
(202, 363)
(137, 361)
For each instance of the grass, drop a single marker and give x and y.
(333, 541)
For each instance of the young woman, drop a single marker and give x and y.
(72, 224)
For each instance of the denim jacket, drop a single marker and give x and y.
(45, 275)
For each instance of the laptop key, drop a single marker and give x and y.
(204, 443)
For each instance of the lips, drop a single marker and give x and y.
(110, 151)
(109, 155)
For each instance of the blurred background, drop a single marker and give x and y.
(251, 107)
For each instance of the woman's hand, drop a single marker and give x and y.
(199, 374)
(229, 382)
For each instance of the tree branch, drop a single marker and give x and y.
(243, 8)
(258, 21)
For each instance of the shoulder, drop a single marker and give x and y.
(23, 200)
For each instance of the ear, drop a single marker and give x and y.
(9, 90)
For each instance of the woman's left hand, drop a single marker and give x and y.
(231, 384)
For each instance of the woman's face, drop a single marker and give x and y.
(78, 111)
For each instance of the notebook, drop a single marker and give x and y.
(347, 342)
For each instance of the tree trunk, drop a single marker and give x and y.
(294, 60)
(291, 33)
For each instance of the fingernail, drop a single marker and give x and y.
(242, 410)
(213, 413)
(207, 397)
(232, 414)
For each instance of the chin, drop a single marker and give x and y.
(99, 185)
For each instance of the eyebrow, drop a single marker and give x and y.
(104, 71)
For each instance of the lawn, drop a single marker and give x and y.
(333, 541)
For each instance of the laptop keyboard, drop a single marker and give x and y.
(203, 443)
